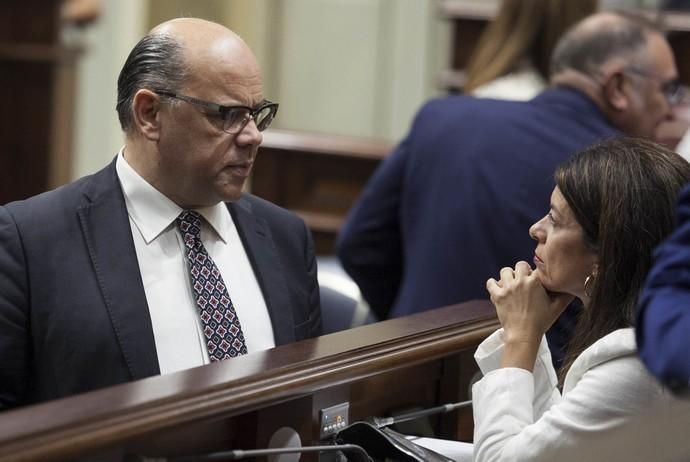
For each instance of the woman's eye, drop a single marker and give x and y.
(551, 219)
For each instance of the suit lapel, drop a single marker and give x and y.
(108, 235)
(258, 243)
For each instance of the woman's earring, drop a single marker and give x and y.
(588, 285)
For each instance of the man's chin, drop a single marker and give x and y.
(230, 195)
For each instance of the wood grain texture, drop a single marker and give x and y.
(142, 416)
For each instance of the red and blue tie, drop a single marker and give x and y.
(222, 329)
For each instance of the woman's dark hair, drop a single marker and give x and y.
(623, 193)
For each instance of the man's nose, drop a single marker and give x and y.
(250, 134)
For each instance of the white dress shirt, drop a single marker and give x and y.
(611, 408)
(177, 328)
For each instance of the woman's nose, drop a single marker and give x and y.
(535, 231)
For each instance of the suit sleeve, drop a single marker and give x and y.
(597, 420)
(14, 316)
(369, 244)
(663, 323)
(488, 357)
(315, 328)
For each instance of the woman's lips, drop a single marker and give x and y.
(537, 260)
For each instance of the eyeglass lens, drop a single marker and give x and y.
(237, 118)
(674, 92)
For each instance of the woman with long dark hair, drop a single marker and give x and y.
(612, 204)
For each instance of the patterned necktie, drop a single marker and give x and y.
(222, 329)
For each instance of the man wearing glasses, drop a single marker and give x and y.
(159, 262)
(452, 204)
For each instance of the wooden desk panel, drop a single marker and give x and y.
(468, 22)
(317, 176)
(37, 83)
(424, 359)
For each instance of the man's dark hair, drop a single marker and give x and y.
(156, 63)
(586, 50)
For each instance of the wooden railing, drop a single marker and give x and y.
(420, 360)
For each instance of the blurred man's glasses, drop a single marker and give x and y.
(672, 89)
(235, 118)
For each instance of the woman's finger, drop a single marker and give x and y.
(492, 285)
(507, 274)
(522, 268)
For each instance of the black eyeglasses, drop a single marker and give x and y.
(672, 89)
(235, 118)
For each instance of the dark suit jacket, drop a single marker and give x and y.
(454, 202)
(73, 312)
(663, 322)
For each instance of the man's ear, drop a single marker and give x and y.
(146, 106)
(614, 91)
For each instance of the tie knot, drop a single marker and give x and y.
(189, 223)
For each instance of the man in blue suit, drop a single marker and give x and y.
(454, 202)
(663, 319)
(158, 262)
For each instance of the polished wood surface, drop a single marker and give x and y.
(422, 360)
(37, 81)
(317, 176)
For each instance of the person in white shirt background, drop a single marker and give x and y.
(511, 60)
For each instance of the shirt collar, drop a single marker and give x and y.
(152, 212)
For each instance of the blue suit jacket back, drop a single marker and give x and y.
(454, 202)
